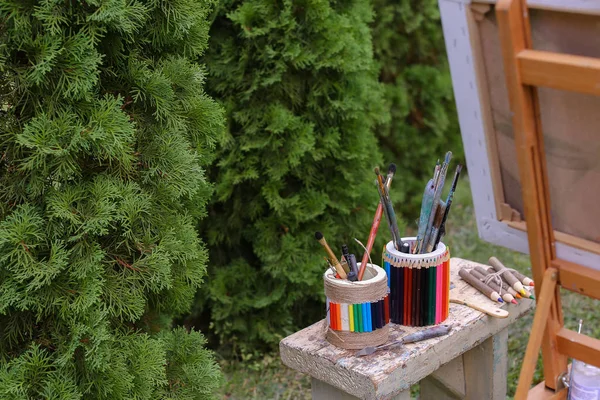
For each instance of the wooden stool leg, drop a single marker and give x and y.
(325, 391)
(486, 369)
(447, 383)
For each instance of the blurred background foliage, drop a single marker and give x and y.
(317, 93)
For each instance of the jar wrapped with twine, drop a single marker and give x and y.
(357, 312)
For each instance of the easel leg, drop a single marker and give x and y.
(486, 368)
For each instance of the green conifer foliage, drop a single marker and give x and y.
(300, 88)
(104, 134)
(409, 47)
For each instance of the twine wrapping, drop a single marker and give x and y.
(496, 277)
(357, 340)
(433, 259)
(346, 292)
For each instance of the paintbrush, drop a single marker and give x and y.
(375, 225)
(437, 223)
(442, 229)
(430, 333)
(426, 205)
(332, 258)
(388, 210)
(439, 187)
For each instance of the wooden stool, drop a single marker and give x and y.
(471, 362)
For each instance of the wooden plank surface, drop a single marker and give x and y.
(560, 71)
(387, 373)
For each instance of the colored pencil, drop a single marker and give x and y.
(419, 297)
(365, 316)
(333, 318)
(400, 295)
(503, 283)
(413, 302)
(351, 317)
(425, 296)
(393, 291)
(507, 297)
(386, 266)
(407, 295)
(477, 284)
(507, 275)
(438, 296)
(447, 290)
(332, 315)
(432, 289)
(386, 309)
(524, 280)
(344, 314)
(375, 315)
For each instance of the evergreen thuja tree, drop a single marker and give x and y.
(300, 89)
(409, 48)
(104, 134)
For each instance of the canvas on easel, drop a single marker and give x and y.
(569, 120)
(526, 85)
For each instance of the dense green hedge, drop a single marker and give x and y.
(105, 132)
(306, 113)
(409, 47)
(300, 88)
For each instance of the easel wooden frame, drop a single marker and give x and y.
(555, 260)
(526, 69)
(495, 222)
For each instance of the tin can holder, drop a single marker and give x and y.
(419, 285)
(357, 312)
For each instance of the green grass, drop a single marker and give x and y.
(269, 379)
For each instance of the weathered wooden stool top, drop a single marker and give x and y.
(384, 374)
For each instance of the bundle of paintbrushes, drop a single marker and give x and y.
(434, 211)
(346, 267)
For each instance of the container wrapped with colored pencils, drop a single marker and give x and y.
(357, 312)
(419, 285)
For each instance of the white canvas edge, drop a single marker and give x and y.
(464, 81)
(574, 6)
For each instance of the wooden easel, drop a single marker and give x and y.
(525, 69)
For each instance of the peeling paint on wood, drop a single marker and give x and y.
(386, 373)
